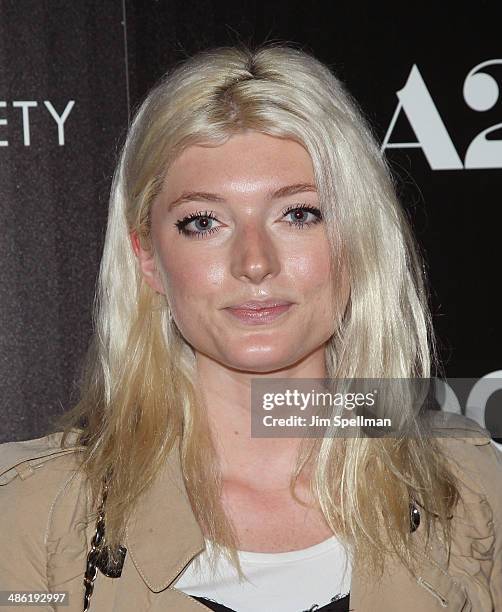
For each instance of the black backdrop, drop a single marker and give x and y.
(408, 65)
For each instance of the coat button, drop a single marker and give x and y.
(414, 517)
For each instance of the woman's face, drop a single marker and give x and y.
(240, 222)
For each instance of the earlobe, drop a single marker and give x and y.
(135, 242)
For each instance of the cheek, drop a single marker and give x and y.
(194, 285)
(324, 296)
(196, 278)
(310, 273)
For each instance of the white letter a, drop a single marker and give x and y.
(432, 135)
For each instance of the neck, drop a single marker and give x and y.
(266, 463)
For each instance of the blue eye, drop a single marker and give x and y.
(203, 221)
(304, 211)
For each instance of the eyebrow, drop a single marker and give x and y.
(204, 196)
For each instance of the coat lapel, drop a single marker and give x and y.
(396, 590)
(163, 536)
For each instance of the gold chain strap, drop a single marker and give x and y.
(98, 557)
(92, 558)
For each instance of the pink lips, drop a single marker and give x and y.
(257, 313)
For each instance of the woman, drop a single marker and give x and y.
(253, 233)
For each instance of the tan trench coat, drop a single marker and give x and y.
(44, 539)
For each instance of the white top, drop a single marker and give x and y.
(278, 582)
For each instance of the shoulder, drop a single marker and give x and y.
(34, 475)
(471, 452)
(466, 438)
(22, 459)
(476, 462)
(451, 425)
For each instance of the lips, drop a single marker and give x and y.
(257, 305)
(259, 313)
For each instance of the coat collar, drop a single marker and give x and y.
(163, 536)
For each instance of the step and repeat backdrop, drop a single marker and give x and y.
(428, 77)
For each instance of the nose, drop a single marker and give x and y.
(254, 254)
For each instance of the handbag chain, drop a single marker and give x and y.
(91, 569)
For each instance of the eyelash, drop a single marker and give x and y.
(182, 223)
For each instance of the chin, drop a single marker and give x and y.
(260, 360)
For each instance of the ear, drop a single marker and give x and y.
(146, 262)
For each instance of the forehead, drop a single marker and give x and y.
(246, 161)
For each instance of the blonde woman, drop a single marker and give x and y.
(253, 233)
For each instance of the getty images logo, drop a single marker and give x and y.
(481, 93)
(25, 106)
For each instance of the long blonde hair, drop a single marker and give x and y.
(137, 389)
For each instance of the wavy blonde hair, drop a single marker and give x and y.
(137, 390)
